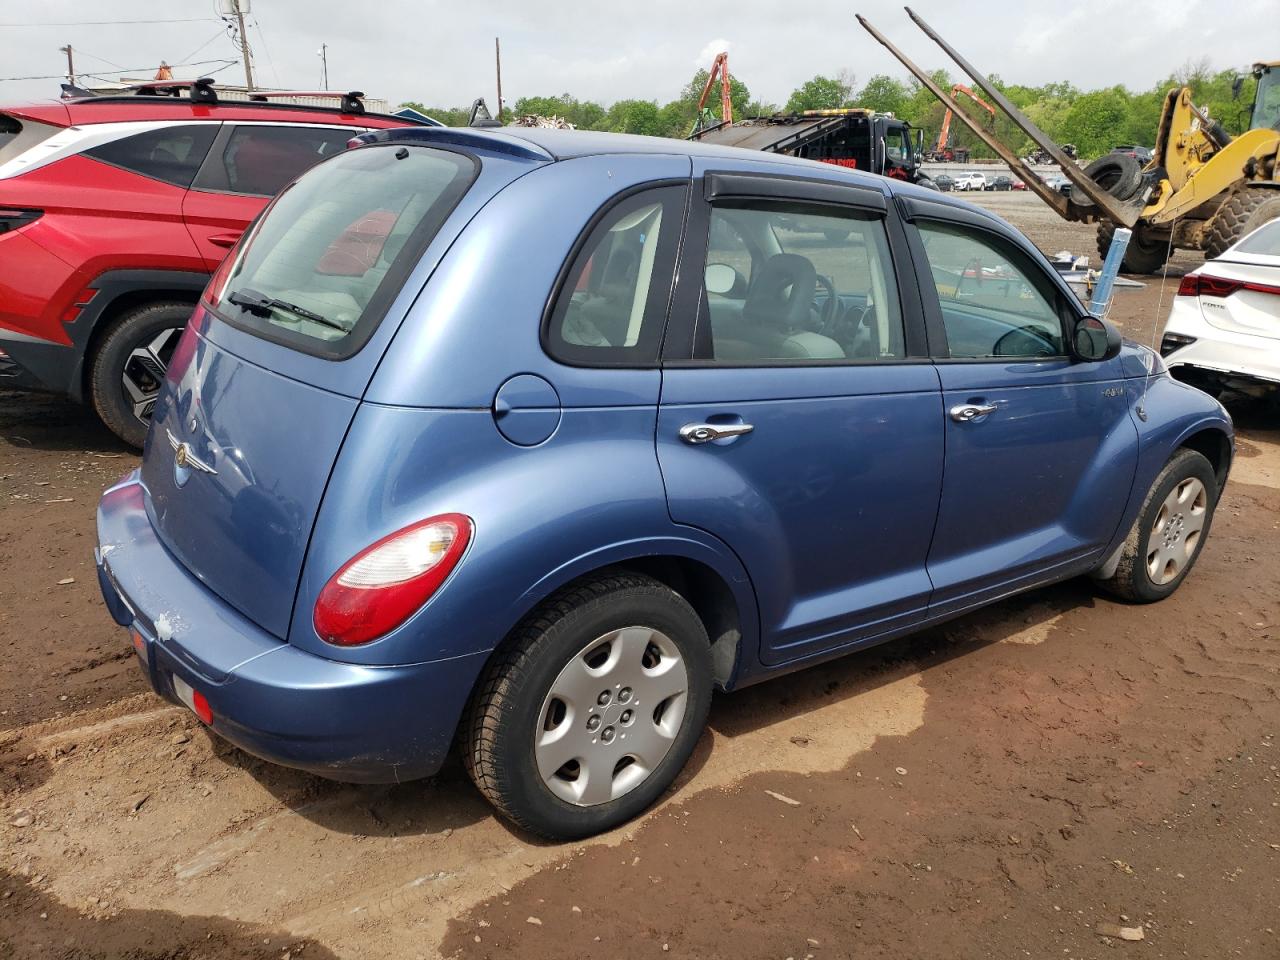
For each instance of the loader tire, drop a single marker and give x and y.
(1142, 256)
(1245, 211)
(1119, 175)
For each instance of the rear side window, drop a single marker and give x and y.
(613, 302)
(171, 154)
(19, 136)
(1264, 240)
(259, 161)
(320, 268)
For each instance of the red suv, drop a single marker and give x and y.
(114, 210)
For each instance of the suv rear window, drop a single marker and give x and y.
(328, 256)
(171, 154)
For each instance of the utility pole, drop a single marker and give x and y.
(244, 43)
(497, 54)
(71, 65)
(324, 64)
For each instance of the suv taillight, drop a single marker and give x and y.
(383, 585)
(12, 218)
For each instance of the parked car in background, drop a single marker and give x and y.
(1139, 153)
(971, 181)
(944, 182)
(395, 499)
(1001, 182)
(1018, 184)
(1058, 182)
(114, 210)
(1223, 332)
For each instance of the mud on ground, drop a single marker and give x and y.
(1007, 785)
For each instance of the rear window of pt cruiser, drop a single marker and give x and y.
(322, 265)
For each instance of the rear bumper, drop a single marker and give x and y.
(338, 720)
(1233, 355)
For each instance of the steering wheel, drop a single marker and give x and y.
(831, 307)
(1016, 342)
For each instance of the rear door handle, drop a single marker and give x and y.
(706, 432)
(224, 239)
(964, 412)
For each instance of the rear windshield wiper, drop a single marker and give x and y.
(262, 306)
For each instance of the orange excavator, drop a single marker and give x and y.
(943, 151)
(706, 117)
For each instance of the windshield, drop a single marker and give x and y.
(329, 255)
(1266, 104)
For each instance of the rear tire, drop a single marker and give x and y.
(130, 363)
(1170, 531)
(1244, 212)
(1142, 256)
(512, 743)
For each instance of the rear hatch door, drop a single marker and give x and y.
(268, 375)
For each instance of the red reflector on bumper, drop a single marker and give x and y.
(138, 643)
(201, 706)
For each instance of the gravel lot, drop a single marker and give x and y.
(1022, 782)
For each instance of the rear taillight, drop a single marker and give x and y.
(382, 586)
(1204, 285)
(12, 218)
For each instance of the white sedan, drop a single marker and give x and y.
(1224, 330)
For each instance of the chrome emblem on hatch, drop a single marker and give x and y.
(184, 461)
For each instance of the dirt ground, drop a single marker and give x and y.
(1024, 782)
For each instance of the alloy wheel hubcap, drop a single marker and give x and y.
(1176, 531)
(144, 371)
(611, 716)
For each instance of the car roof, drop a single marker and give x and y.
(83, 111)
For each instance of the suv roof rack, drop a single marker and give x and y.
(351, 102)
(202, 90)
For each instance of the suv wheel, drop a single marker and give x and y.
(1170, 532)
(593, 709)
(130, 363)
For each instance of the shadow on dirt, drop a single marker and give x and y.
(49, 422)
(450, 801)
(37, 924)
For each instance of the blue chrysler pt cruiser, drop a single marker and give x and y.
(528, 440)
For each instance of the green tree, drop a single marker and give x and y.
(884, 94)
(583, 114)
(1095, 119)
(820, 93)
(635, 116)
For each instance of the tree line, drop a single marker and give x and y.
(1093, 120)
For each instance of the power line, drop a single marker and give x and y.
(59, 76)
(108, 23)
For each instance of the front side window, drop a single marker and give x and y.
(613, 304)
(791, 283)
(323, 264)
(994, 301)
(260, 160)
(171, 154)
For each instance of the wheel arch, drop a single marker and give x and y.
(1215, 446)
(114, 293)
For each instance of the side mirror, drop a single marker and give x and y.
(722, 279)
(1094, 340)
(1237, 84)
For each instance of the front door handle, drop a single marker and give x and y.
(706, 432)
(224, 239)
(964, 412)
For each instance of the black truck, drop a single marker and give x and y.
(853, 137)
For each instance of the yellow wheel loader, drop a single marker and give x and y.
(1201, 190)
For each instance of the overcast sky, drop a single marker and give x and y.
(442, 53)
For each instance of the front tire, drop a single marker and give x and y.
(593, 707)
(1244, 212)
(130, 363)
(1142, 256)
(1170, 532)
